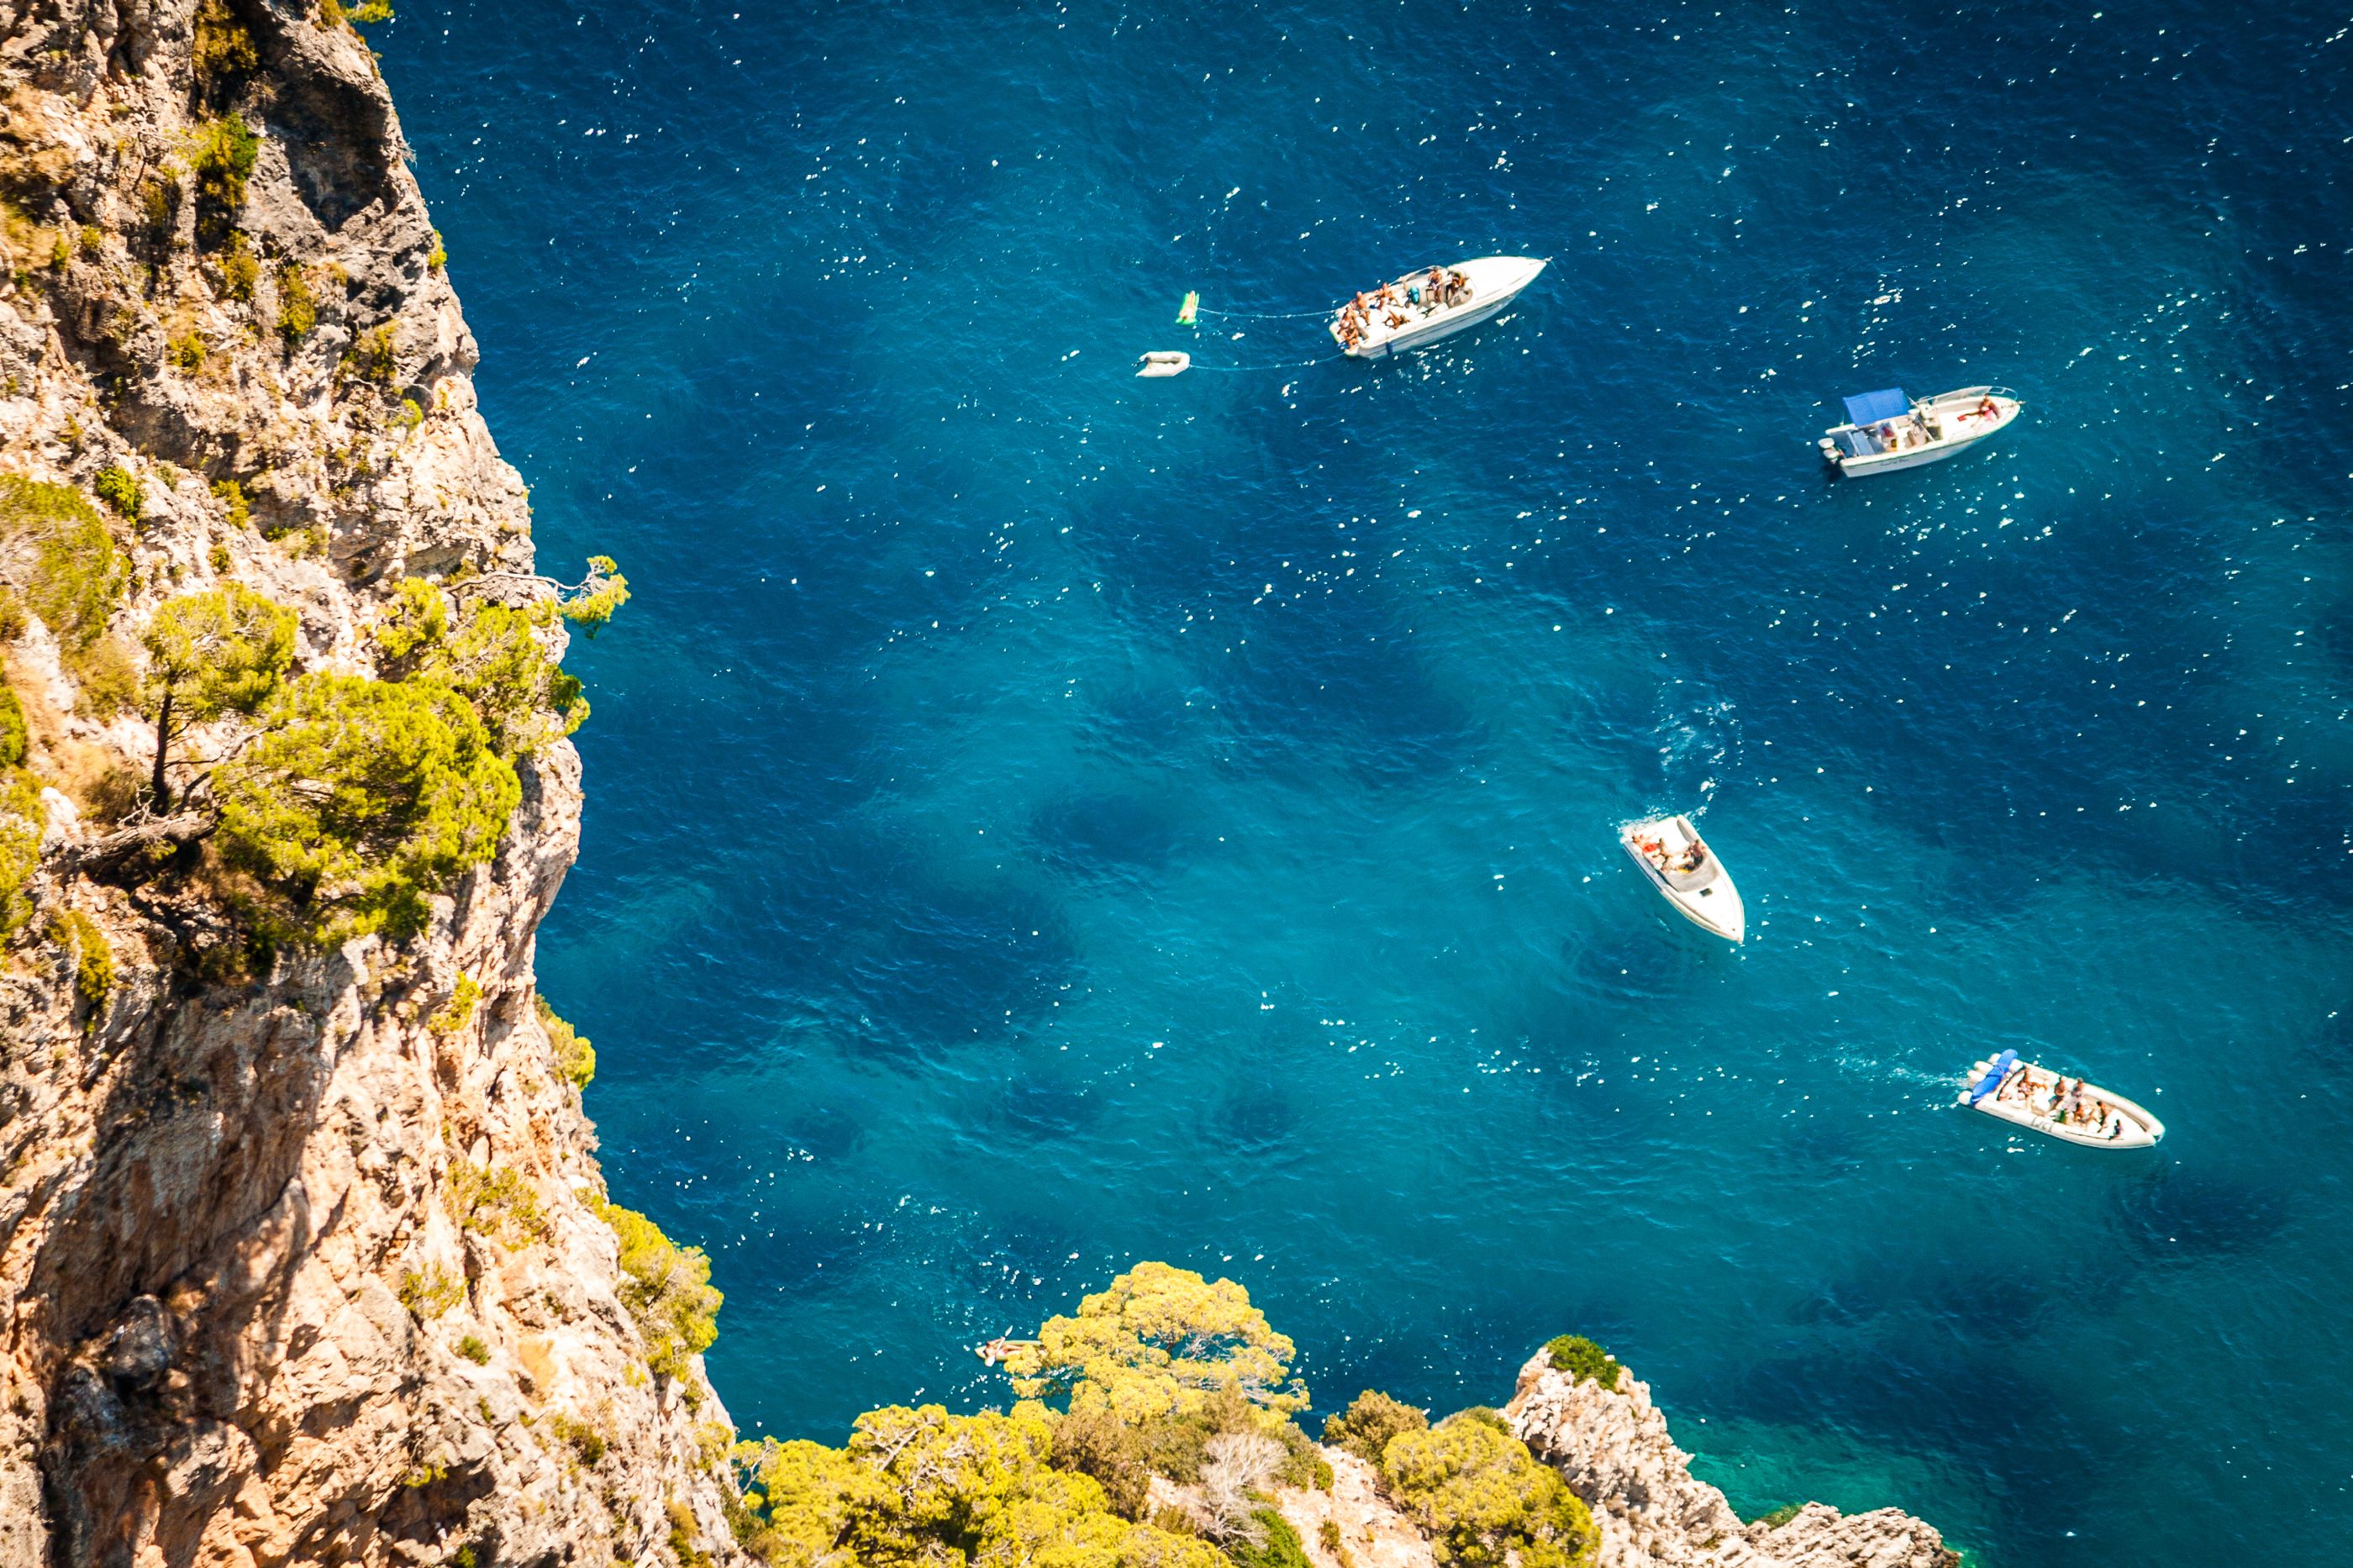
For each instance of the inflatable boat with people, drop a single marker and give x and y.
(2040, 1101)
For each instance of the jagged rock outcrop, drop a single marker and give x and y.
(1613, 1449)
(298, 1249)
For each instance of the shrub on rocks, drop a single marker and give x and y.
(1484, 1499)
(1584, 1361)
(1366, 1427)
(667, 1288)
(360, 799)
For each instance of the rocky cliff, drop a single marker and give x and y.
(300, 1248)
(1612, 1446)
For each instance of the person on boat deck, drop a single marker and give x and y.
(1692, 857)
(1459, 287)
(1436, 291)
(1986, 410)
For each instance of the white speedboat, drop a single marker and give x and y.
(1886, 430)
(1672, 854)
(1413, 311)
(2028, 1096)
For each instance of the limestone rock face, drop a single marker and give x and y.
(300, 1259)
(1613, 1449)
(1372, 1532)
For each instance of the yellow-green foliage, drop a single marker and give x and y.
(601, 593)
(223, 46)
(1485, 1500)
(575, 1058)
(417, 622)
(683, 1534)
(159, 205)
(235, 511)
(118, 487)
(1277, 1546)
(298, 308)
(56, 549)
(458, 1011)
(93, 958)
(108, 681)
(222, 154)
(1366, 1427)
(497, 1202)
(187, 351)
(21, 820)
(1159, 1340)
(494, 657)
(438, 257)
(241, 269)
(667, 1289)
(362, 797)
(586, 1443)
(471, 1347)
(11, 614)
(15, 736)
(430, 1292)
(371, 355)
(222, 651)
(926, 1487)
(1584, 1361)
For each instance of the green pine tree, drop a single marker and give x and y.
(222, 651)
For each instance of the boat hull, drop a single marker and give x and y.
(1444, 327)
(1968, 430)
(1496, 283)
(2141, 1130)
(1714, 907)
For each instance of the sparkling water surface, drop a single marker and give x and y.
(1041, 819)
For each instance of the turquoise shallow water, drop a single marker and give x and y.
(1041, 819)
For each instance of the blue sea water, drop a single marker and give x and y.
(1041, 819)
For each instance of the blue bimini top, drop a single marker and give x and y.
(1994, 1074)
(1877, 408)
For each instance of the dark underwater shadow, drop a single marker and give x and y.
(1619, 967)
(1259, 1121)
(1037, 1108)
(2173, 1215)
(1105, 835)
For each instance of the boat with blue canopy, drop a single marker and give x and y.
(2069, 1110)
(1886, 430)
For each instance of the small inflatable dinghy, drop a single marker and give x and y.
(1687, 872)
(2035, 1098)
(1165, 364)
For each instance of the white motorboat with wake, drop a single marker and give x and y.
(2040, 1101)
(1887, 430)
(1428, 304)
(1686, 871)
